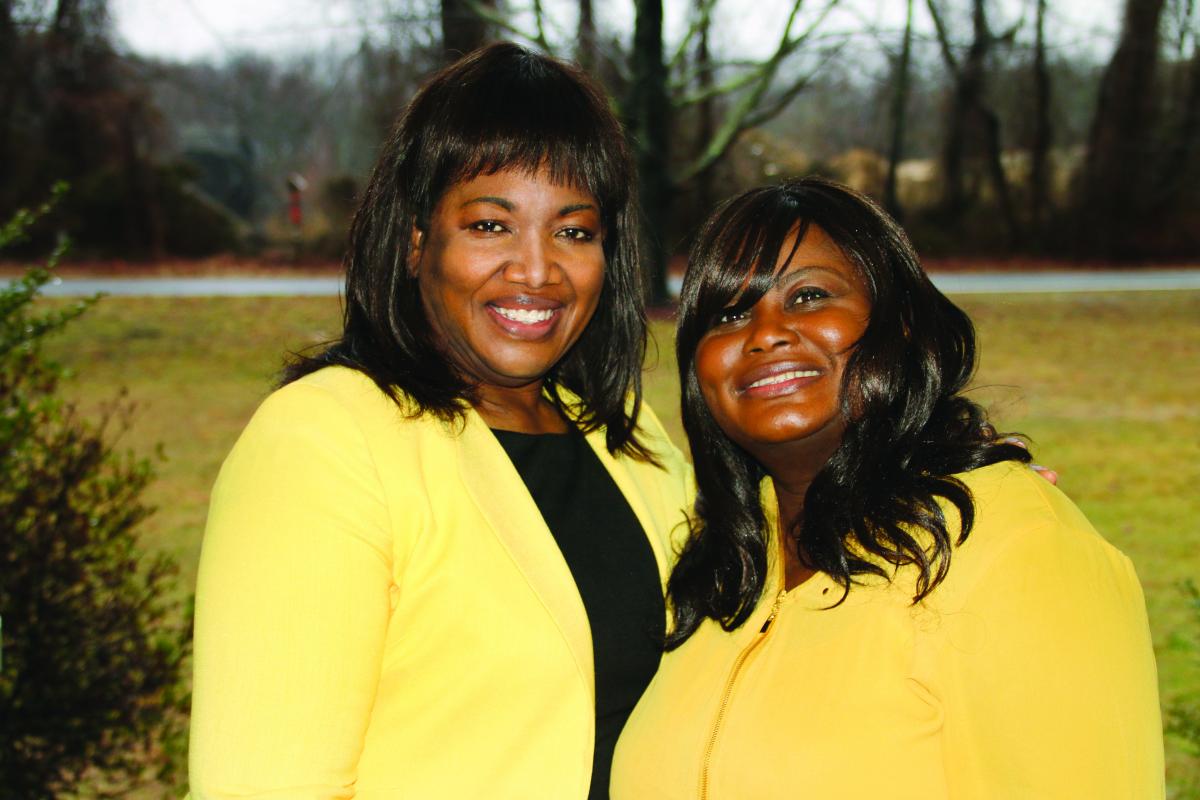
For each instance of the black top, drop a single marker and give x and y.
(614, 568)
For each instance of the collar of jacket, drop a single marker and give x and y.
(498, 491)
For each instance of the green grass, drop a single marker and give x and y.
(1106, 386)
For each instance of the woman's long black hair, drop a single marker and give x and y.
(501, 107)
(874, 506)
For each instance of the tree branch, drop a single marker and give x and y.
(500, 21)
(789, 94)
(943, 38)
(747, 110)
(703, 17)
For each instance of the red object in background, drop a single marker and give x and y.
(295, 214)
(295, 187)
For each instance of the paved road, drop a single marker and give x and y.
(951, 283)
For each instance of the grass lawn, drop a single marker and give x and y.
(1106, 385)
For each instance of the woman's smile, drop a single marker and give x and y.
(526, 318)
(779, 379)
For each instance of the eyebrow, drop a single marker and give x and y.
(788, 278)
(508, 205)
(496, 201)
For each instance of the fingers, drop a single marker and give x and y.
(1045, 472)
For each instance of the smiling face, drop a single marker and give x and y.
(510, 271)
(771, 375)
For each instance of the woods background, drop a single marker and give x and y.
(992, 129)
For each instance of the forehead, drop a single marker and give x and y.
(816, 249)
(526, 186)
(815, 253)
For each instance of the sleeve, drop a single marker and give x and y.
(1047, 673)
(292, 604)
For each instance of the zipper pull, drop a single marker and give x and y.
(774, 611)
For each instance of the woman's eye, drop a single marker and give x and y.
(730, 315)
(808, 294)
(487, 226)
(577, 234)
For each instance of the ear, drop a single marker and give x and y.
(416, 244)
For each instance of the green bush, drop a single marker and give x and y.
(1183, 718)
(94, 637)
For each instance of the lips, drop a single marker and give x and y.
(778, 379)
(525, 317)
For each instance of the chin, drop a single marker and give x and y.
(812, 433)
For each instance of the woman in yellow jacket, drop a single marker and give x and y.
(876, 599)
(435, 560)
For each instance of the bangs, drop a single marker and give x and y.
(538, 118)
(737, 258)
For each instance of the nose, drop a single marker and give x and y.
(768, 330)
(532, 263)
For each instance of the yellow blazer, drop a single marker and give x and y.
(381, 611)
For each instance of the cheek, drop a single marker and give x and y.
(588, 282)
(840, 333)
(713, 359)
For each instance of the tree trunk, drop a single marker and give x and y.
(1180, 169)
(706, 125)
(463, 30)
(973, 127)
(1039, 151)
(891, 200)
(587, 55)
(1115, 190)
(8, 82)
(649, 124)
(990, 124)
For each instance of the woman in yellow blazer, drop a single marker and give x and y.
(876, 599)
(390, 602)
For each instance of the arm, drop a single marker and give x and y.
(1049, 680)
(292, 602)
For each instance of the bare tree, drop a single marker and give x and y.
(648, 111)
(1042, 139)
(899, 114)
(587, 52)
(1114, 186)
(972, 125)
(1180, 166)
(465, 26)
(9, 66)
(706, 111)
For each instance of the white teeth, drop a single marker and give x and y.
(780, 377)
(525, 316)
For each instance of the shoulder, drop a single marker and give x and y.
(335, 420)
(1027, 529)
(329, 389)
(654, 436)
(333, 400)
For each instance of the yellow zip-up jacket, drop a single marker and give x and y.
(1027, 675)
(382, 613)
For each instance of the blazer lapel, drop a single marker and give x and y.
(624, 479)
(498, 491)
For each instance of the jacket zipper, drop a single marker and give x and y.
(728, 693)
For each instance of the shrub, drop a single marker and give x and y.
(93, 636)
(1183, 717)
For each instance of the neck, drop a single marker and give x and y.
(522, 408)
(792, 467)
(789, 498)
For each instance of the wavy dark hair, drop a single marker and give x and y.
(499, 108)
(874, 505)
